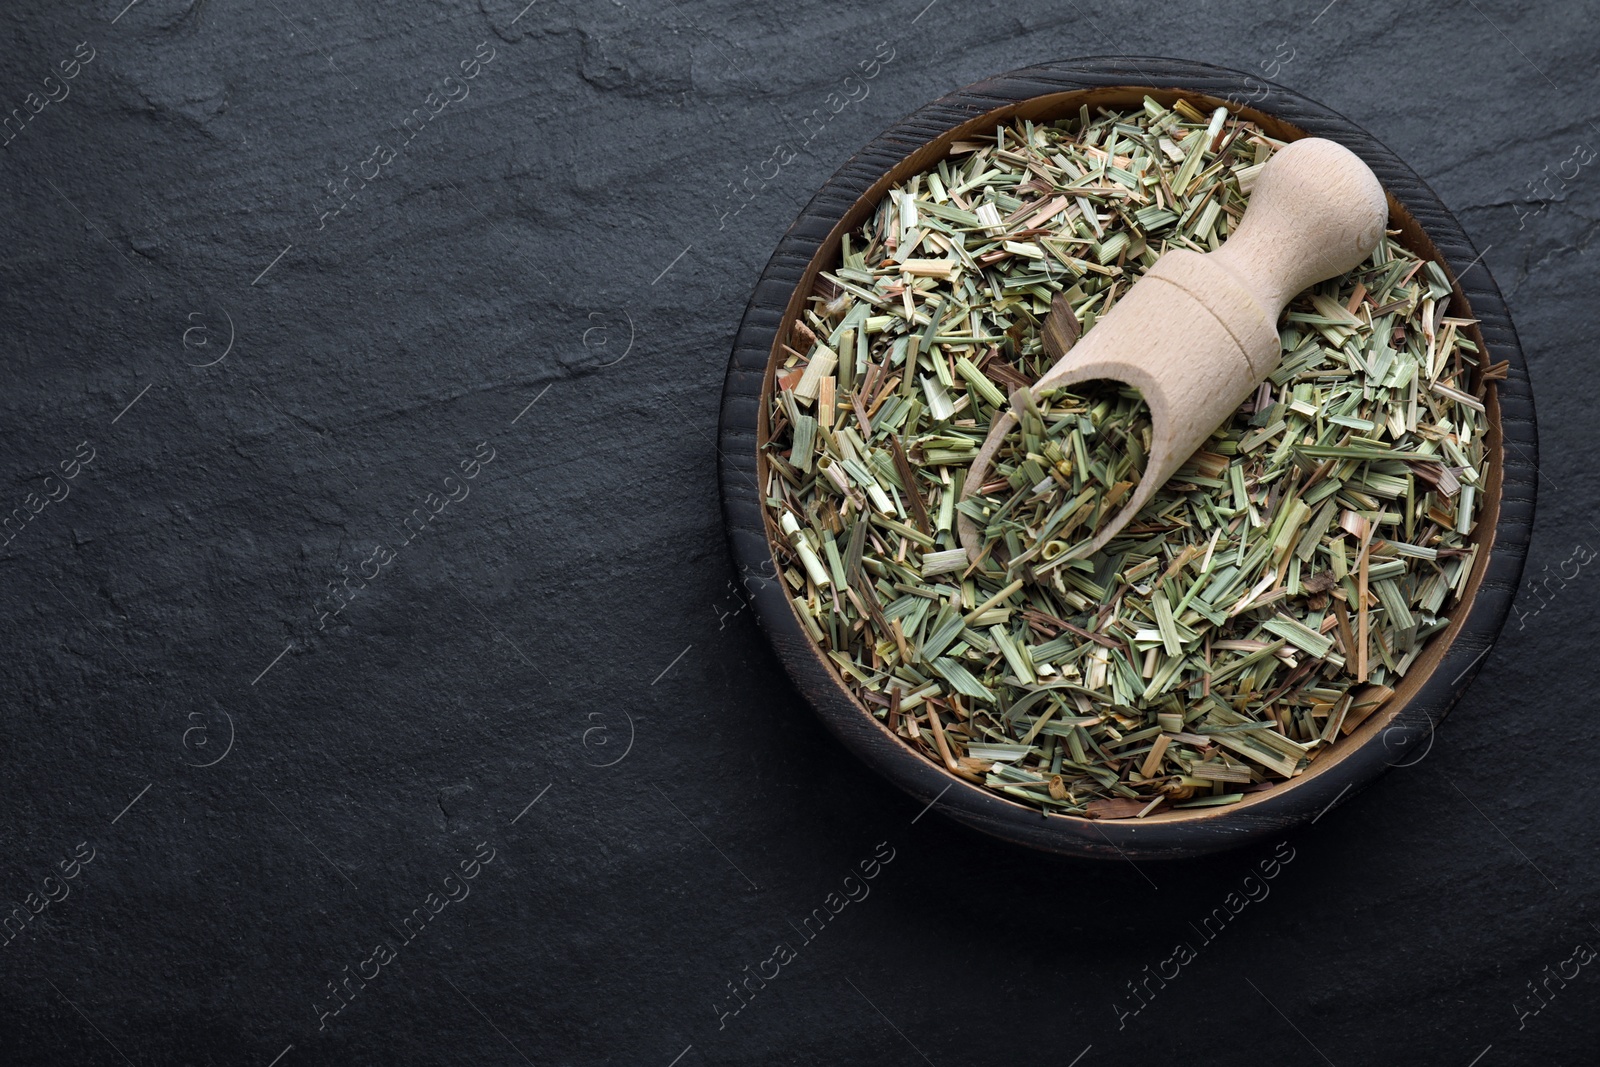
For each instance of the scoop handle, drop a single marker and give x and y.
(1316, 211)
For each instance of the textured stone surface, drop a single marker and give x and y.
(566, 236)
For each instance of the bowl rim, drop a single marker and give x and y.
(1390, 737)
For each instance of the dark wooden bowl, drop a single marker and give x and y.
(1399, 733)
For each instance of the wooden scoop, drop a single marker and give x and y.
(1198, 333)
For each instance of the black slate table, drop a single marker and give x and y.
(376, 687)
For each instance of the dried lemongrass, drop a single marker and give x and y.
(1260, 607)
